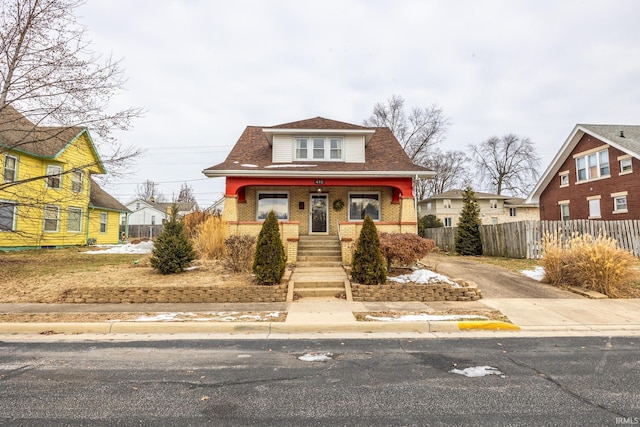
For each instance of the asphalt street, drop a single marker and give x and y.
(541, 381)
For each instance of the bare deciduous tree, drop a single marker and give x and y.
(452, 172)
(508, 164)
(417, 131)
(148, 191)
(186, 194)
(49, 74)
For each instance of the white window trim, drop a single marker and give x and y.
(564, 203)
(13, 217)
(589, 200)
(58, 175)
(564, 174)
(450, 221)
(446, 203)
(493, 203)
(106, 222)
(327, 149)
(15, 170)
(79, 230)
(74, 181)
(625, 157)
(617, 195)
(515, 212)
(584, 155)
(273, 192)
(45, 219)
(378, 193)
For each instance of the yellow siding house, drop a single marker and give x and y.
(47, 196)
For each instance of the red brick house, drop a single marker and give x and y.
(321, 177)
(593, 176)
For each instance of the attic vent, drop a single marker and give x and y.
(621, 134)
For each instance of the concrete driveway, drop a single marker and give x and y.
(494, 282)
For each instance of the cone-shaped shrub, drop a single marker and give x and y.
(269, 262)
(172, 250)
(468, 241)
(368, 264)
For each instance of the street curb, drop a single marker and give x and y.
(248, 327)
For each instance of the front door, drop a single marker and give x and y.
(318, 214)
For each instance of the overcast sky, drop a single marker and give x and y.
(204, 70)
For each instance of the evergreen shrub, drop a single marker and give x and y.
(468, 241)
(368, 264)
(269, 262)
(172, 251)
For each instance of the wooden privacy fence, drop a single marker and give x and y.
(143, 231)
(523, 239)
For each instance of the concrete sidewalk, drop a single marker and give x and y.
(330, 317)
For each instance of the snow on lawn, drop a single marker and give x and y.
(427, 277)
(537, 273)
(223, 316)
(427, 317)
(139, 248)
(478, 371)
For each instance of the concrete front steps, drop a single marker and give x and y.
(318, 272)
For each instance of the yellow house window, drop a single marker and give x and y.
(77, 181)
(74, 220)
(51, 218)
(7, 216)
(10, 168)
(103, 222)
(54, 173)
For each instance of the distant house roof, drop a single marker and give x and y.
(181, 206)
(625, 138)
(457, 194)
(98, 198)
(251, 155)
(18, 133)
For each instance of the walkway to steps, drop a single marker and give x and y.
(318, 271)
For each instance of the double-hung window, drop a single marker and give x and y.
(7, 216)
(513, 212)
(446, 203)
(74, 220)
(447, 222)
(319, 148)
(363, 204)
(54, 173)
(51, 218)
(625, 165)
(592, 165)
(10, 168)
(276, 202)
(77, 181)
(619, 202)
(493, 204)
(103, 222)
(564, 211)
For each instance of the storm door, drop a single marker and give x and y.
(319, 214)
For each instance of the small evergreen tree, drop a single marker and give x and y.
(428, 221)
(269, 262)
(468, 241)
(172, 250)
(368, 264)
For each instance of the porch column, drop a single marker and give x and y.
(230, 208)
(408, 215)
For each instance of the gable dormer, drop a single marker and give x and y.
(318, 140)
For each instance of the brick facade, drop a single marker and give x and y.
(577, 194)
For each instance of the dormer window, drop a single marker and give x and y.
(319, 148)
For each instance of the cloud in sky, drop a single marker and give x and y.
(204, 70)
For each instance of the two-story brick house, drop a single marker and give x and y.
(320, 177)
(593, 175)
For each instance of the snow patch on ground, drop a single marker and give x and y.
(477, 371)
(316, 357)
(426, 277)
(427, 317)
(222, 316)
(537, 273)
(141, 248)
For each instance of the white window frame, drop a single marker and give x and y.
(14, 170)
(104, 220)
(513, 212)
(626, 164)
(13, 209)
(263, 216)
(595, 210)
(56, 220)
(77, 211)
(446, 203)
(564, 178)
(329, 149)
(52, 175)
(564, 204)
(448, 222)
(364, 193)
(617, 198)
(592, 165)
(493, 203)
(77, 181)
